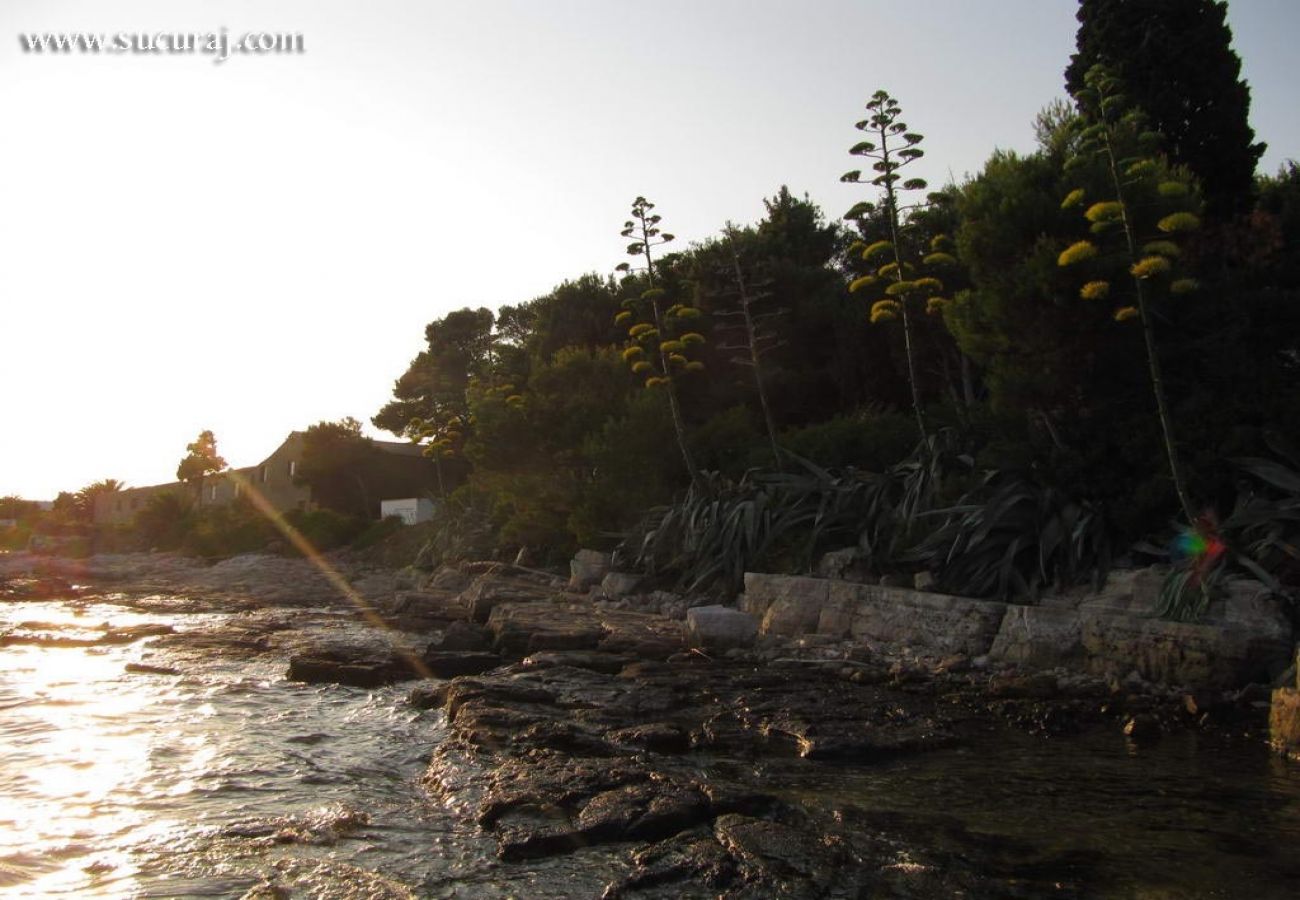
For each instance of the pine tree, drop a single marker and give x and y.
(1177, 64)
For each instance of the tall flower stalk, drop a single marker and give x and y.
(1135, 180)
(891, 148)
(659, 343)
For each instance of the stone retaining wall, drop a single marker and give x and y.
(1245, 639)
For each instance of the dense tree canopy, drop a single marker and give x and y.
(1176, 59)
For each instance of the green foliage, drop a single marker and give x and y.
(338, 463)
(462, 528)
(1011, 538)
(459, 347)
(326, 529)
(870, 440)
(166, 518)
(1177, 64)
(721, 529)
(201, 458)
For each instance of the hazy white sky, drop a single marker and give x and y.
(257, 245)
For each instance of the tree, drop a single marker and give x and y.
(336, 460)
(893, 148)
(754, 335)
(1136, 183)
(661, 330)
(460, 347)
(1177, 64)
(201, 459)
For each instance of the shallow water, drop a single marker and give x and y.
(226, 776)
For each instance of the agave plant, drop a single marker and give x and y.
(721, 529)
(1261, 539)
(1010, 538)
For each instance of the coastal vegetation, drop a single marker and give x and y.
(1078, 354)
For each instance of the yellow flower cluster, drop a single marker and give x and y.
(1079, 251)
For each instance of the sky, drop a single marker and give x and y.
(254, 245)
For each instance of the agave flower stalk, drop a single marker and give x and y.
(643, 229)
(891, 148)
(1106, 108)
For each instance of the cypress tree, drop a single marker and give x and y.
(1177, 64)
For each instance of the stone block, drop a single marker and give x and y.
(786, 604)
(619, 584)
(938, 623)
(1284, 722)
(587, 568)
(1039, 636)
(720, 627)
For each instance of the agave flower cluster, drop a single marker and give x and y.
(900, 282)
(440, 439)
(659, 341)
(1143, 204)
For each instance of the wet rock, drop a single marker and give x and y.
(595, 661)
(1143, 728)
(777, 852)
(720, 627)
(128, 633)
(1035, 686)
(657, 737)
(451, 663)
(358, 665)
(461, 636)
(428, 695)
(146, 669)
(490, 591)
(648, 811)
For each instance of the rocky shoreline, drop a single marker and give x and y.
(577, 723)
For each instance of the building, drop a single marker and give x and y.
(404, 472)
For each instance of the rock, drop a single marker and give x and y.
(897, 579)
(720, 627)
(779, 852)
(1143, 728)
(657, 737)
(428, 695)
(355, 665)
(448, 578)
(619, 584)
(145, 669)
(520, 629)
(462, 636)
(490, 591)
(438, 606)
(837, 563)
(1038, 686)
(587, 568)
(128, 633)
(649, 811)
(923, 581)
(451, 663)
(1284, 722)
(595, 661)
